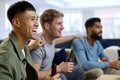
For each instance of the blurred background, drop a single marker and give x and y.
(75, 14)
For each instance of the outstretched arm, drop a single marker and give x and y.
(63, 39)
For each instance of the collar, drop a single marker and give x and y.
(16, 46)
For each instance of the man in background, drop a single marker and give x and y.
(88, 50)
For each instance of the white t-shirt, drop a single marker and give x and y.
(23, 52)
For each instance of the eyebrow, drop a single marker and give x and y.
(34, 17)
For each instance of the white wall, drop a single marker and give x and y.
(3, 31)
(86, 13)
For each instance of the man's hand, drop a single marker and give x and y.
(104, 59)
(65, 67)
(115, 64)
(35, 44)
(55, 77)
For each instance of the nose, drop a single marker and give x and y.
(101, 28)
(36, 23)
(62, 27)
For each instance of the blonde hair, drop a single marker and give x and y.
(49, 15)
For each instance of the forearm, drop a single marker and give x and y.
(64, 39)
(90, 65)
(86, 64)
(104, 59)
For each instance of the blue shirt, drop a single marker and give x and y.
(88, 55)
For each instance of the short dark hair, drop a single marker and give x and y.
(18, 7)
(90, 22)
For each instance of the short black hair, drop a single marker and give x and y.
(90, 22)
(17, 7)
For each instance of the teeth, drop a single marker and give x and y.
(34, 29)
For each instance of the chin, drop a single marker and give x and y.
(99, 38)
(34, 37)
(59, 36)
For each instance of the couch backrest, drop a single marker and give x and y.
(104, 42)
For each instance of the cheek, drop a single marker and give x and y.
(27, 30)
(53, 29)
(98, 31)
(95, 30)
(57, 28)
(28, 27)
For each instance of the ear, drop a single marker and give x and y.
(47, 26)
(15, 21)
(89, 29)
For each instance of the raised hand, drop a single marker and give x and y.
(35, 43)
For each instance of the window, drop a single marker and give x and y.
(72, 23)
(111, 22)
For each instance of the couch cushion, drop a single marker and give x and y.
(112, 52)
(60, 56)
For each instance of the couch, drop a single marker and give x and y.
(111, 47)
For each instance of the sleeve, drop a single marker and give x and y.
(79, 51)
(5, 74)
(101, 52)
(38, 55)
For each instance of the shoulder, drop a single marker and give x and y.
(99, 45)
(78, 40)
(98, 42)
(5, 47)
(7, 51)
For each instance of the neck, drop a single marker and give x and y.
(21, 40)
(91, 40)
(47, 37)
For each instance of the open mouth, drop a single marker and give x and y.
(34, 31)
(100, 34)
(60, 31)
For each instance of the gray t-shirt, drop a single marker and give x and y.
(44, 55)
